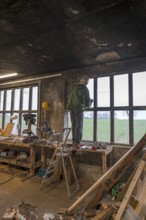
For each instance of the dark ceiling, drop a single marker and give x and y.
(46, 36)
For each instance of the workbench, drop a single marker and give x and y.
(11, 144)
(33, 164)
(109, 150)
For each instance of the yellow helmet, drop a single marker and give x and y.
(45, 105)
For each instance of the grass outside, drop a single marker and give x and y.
(121, 130)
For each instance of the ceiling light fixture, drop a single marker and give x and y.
(31, 79)
(8, 75)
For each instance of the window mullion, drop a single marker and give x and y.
(12, 102)
(30, 99)
(4, 109)
(95, 111)
(131, 131)
(112, 108)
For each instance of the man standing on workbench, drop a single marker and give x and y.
(79, 99)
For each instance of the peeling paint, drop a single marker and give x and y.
(120, 44)
(93, 40)
(98, 44)
(46, 57)
(108, 56)
(30, 45)
(89, 30)
(75, 12)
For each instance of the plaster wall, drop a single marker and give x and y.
(52, 91)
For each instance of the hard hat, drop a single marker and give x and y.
(45, 105)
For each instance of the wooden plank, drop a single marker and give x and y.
(112, 176)
(141, 198)
(124, 189)
(8, 130)
(103, 214)
(130, 190)
(116, 172)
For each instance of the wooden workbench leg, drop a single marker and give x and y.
(104, 166)
(112, 157)
(32, 160)
(43, 156)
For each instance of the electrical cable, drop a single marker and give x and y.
(7, 180)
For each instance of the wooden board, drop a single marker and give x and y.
(110, 178)
(141, 198)
(8, 130)
(130, 190)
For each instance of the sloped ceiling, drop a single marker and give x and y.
(46, 36)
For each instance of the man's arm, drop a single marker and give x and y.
(88, 101)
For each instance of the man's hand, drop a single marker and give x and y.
(90, 103)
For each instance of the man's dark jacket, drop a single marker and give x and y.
(79, 98)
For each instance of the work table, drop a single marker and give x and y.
(33, 164)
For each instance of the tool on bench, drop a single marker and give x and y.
(60, 155)
(29, 119)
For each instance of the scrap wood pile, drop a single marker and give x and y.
(23, 211)
(129, 203)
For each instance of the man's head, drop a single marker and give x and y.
(84, 80)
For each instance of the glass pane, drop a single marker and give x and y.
(139, 91)
(1, 100)
(16, 99)
(88, 126)
(103, 92)
(1, 120)
(16, 127)
(7, 119)
(103, 126)
(139, 125)
(121, 127)
(121, 97)
(8, 99)
(34, 98)
(90, 86)
(25, 94)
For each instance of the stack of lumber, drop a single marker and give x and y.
(133, 197)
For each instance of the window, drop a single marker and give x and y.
(139, 124)
(18, 101)
(121, 90)
(8, 99)
(139, 90)
(25, 98)
(103, 126)
(1, 100)
(121, 127)
(103, 92)
(88, 125)
(90, 86)
(118, 114)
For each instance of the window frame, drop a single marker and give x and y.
(130, 108)
(20, 111)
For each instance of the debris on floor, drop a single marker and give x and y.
(27, 211)
(24, 211)
(48, 216)
(127, 194)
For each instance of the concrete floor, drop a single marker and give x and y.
(52, 198)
